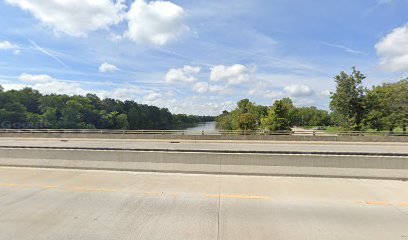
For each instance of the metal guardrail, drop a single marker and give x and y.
(220, 132)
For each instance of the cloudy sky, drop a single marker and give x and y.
(200, 56)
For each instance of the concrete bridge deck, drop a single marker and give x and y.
(210, 145)
(317, 159)
(46, 204)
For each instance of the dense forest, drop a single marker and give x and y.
(28, 108)
(352, 106)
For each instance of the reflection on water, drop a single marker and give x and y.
(205, 126)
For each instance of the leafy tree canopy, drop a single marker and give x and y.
(28, 108)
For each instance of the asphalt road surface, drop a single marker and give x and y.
(72, 204)
(211, 145)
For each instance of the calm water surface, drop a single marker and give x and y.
(205, 126)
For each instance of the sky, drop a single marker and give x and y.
(201, 56)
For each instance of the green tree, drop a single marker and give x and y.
(29, 98)
(29, 108)
(348, 100)
(247, 121)
(224, 121)
(12, 113)
(308, 116)
(117, 120)
(277, 118)
(122, 121)
(50, 117)
(71, 115)
(387, 106)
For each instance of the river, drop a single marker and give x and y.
(204, 126)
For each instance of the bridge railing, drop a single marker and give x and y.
(187, 132)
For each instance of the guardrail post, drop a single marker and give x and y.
(314, 133)
(162, 132)
(202, 132)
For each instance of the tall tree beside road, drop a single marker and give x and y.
(347, 102)
(387, 106)
(278, 116)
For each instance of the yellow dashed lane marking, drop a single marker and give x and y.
(378, 203)
(235, 196)
(84, 189)
(175, 194)
(153, 193)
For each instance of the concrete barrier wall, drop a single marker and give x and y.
(389, 167)
(215, 137)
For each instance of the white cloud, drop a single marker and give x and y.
(151, 97)
(8, 46)
(74, 17)
(261, 90)
(393, 50)
(234, 74)
(304, 102)
(206, 108)
(107, 68)
(60, 87)
(42, 78)
(297, 90)
(204, 87)
(197, 107)
(156, 22)
(185, 74)
(13, 86)
(125, 92)
(258, 89)
(201, 87)
(324, 93)
(47, 84)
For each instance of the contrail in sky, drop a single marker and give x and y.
(46, 52)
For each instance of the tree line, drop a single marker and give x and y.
(28, 108)
(280, 116)
(353, 108)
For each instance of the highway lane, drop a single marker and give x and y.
(211, 145)
(73, 204)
